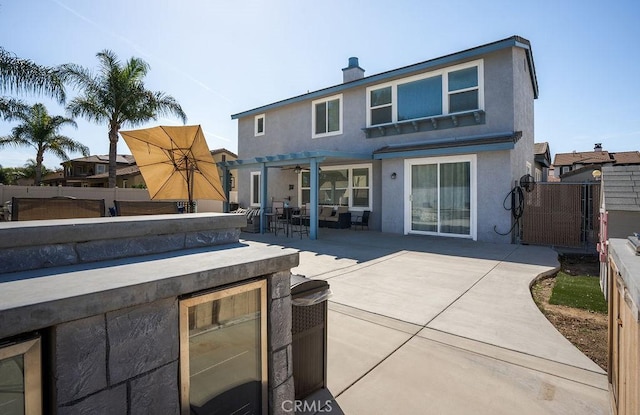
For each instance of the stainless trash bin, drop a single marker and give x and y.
(309, 333)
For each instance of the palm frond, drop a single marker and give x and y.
(9, 107)
(21, 76)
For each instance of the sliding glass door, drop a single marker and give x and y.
(441, 196)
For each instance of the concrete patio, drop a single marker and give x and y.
(441, 326)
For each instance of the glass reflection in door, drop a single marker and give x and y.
(424, 197)
(223, 351)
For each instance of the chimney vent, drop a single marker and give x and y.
(353, 71)
(597, 147)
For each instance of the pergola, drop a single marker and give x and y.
(313, 159)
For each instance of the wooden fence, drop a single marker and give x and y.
(8, 192)
(561, 214)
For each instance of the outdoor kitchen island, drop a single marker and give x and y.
(143, 314)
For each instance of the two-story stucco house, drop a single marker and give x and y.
(431, 148)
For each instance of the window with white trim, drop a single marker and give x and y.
(327, 116)
(463, 90)
(259, 125)
(340, 186)
(255, 188)
(101, 168)
(447, 91)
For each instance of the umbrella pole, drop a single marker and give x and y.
(190, 172)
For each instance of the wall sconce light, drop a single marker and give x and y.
(232, 181)
(394, 175)
(297, 169)
(290, 187)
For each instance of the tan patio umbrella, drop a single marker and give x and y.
(175, 163)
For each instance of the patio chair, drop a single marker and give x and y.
(361, 220)
(271, 216)
(282, 217)
(300, 222)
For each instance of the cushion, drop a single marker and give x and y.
(326, 211)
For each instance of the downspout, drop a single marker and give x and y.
(225, 187)
(263, 195)
(313, 199)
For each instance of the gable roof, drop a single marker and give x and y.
(120, 159)
(627, 157)
(540, 148)
(596, 157)
(122, 171)
(223, 150)
(585, 157)
(513, 41)
(541, 153)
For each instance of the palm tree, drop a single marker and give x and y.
(117, 96)
(30, 170)
(40, 131)
(19, 76)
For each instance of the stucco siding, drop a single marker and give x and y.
(523, 115)
(508, 95)
(289, 128)
(393, 196)
(494, 184)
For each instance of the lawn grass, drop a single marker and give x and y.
(579, 292)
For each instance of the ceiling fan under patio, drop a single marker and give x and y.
(297, 169)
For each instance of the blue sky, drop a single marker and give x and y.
(219, 58)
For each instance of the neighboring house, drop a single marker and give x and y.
(93, 171)
(541, 162)
(223, 155)
(55, 178)
(431, 148)
(126, 177)
(580, 166)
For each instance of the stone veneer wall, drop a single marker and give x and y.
(114, 348)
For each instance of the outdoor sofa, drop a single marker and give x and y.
(339, 218)
(253, 219)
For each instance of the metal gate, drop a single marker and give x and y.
(562, 214)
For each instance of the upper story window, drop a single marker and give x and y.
(327, 116)
(447, 91)
(101, 168)
(463, 90)
(259, 125)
